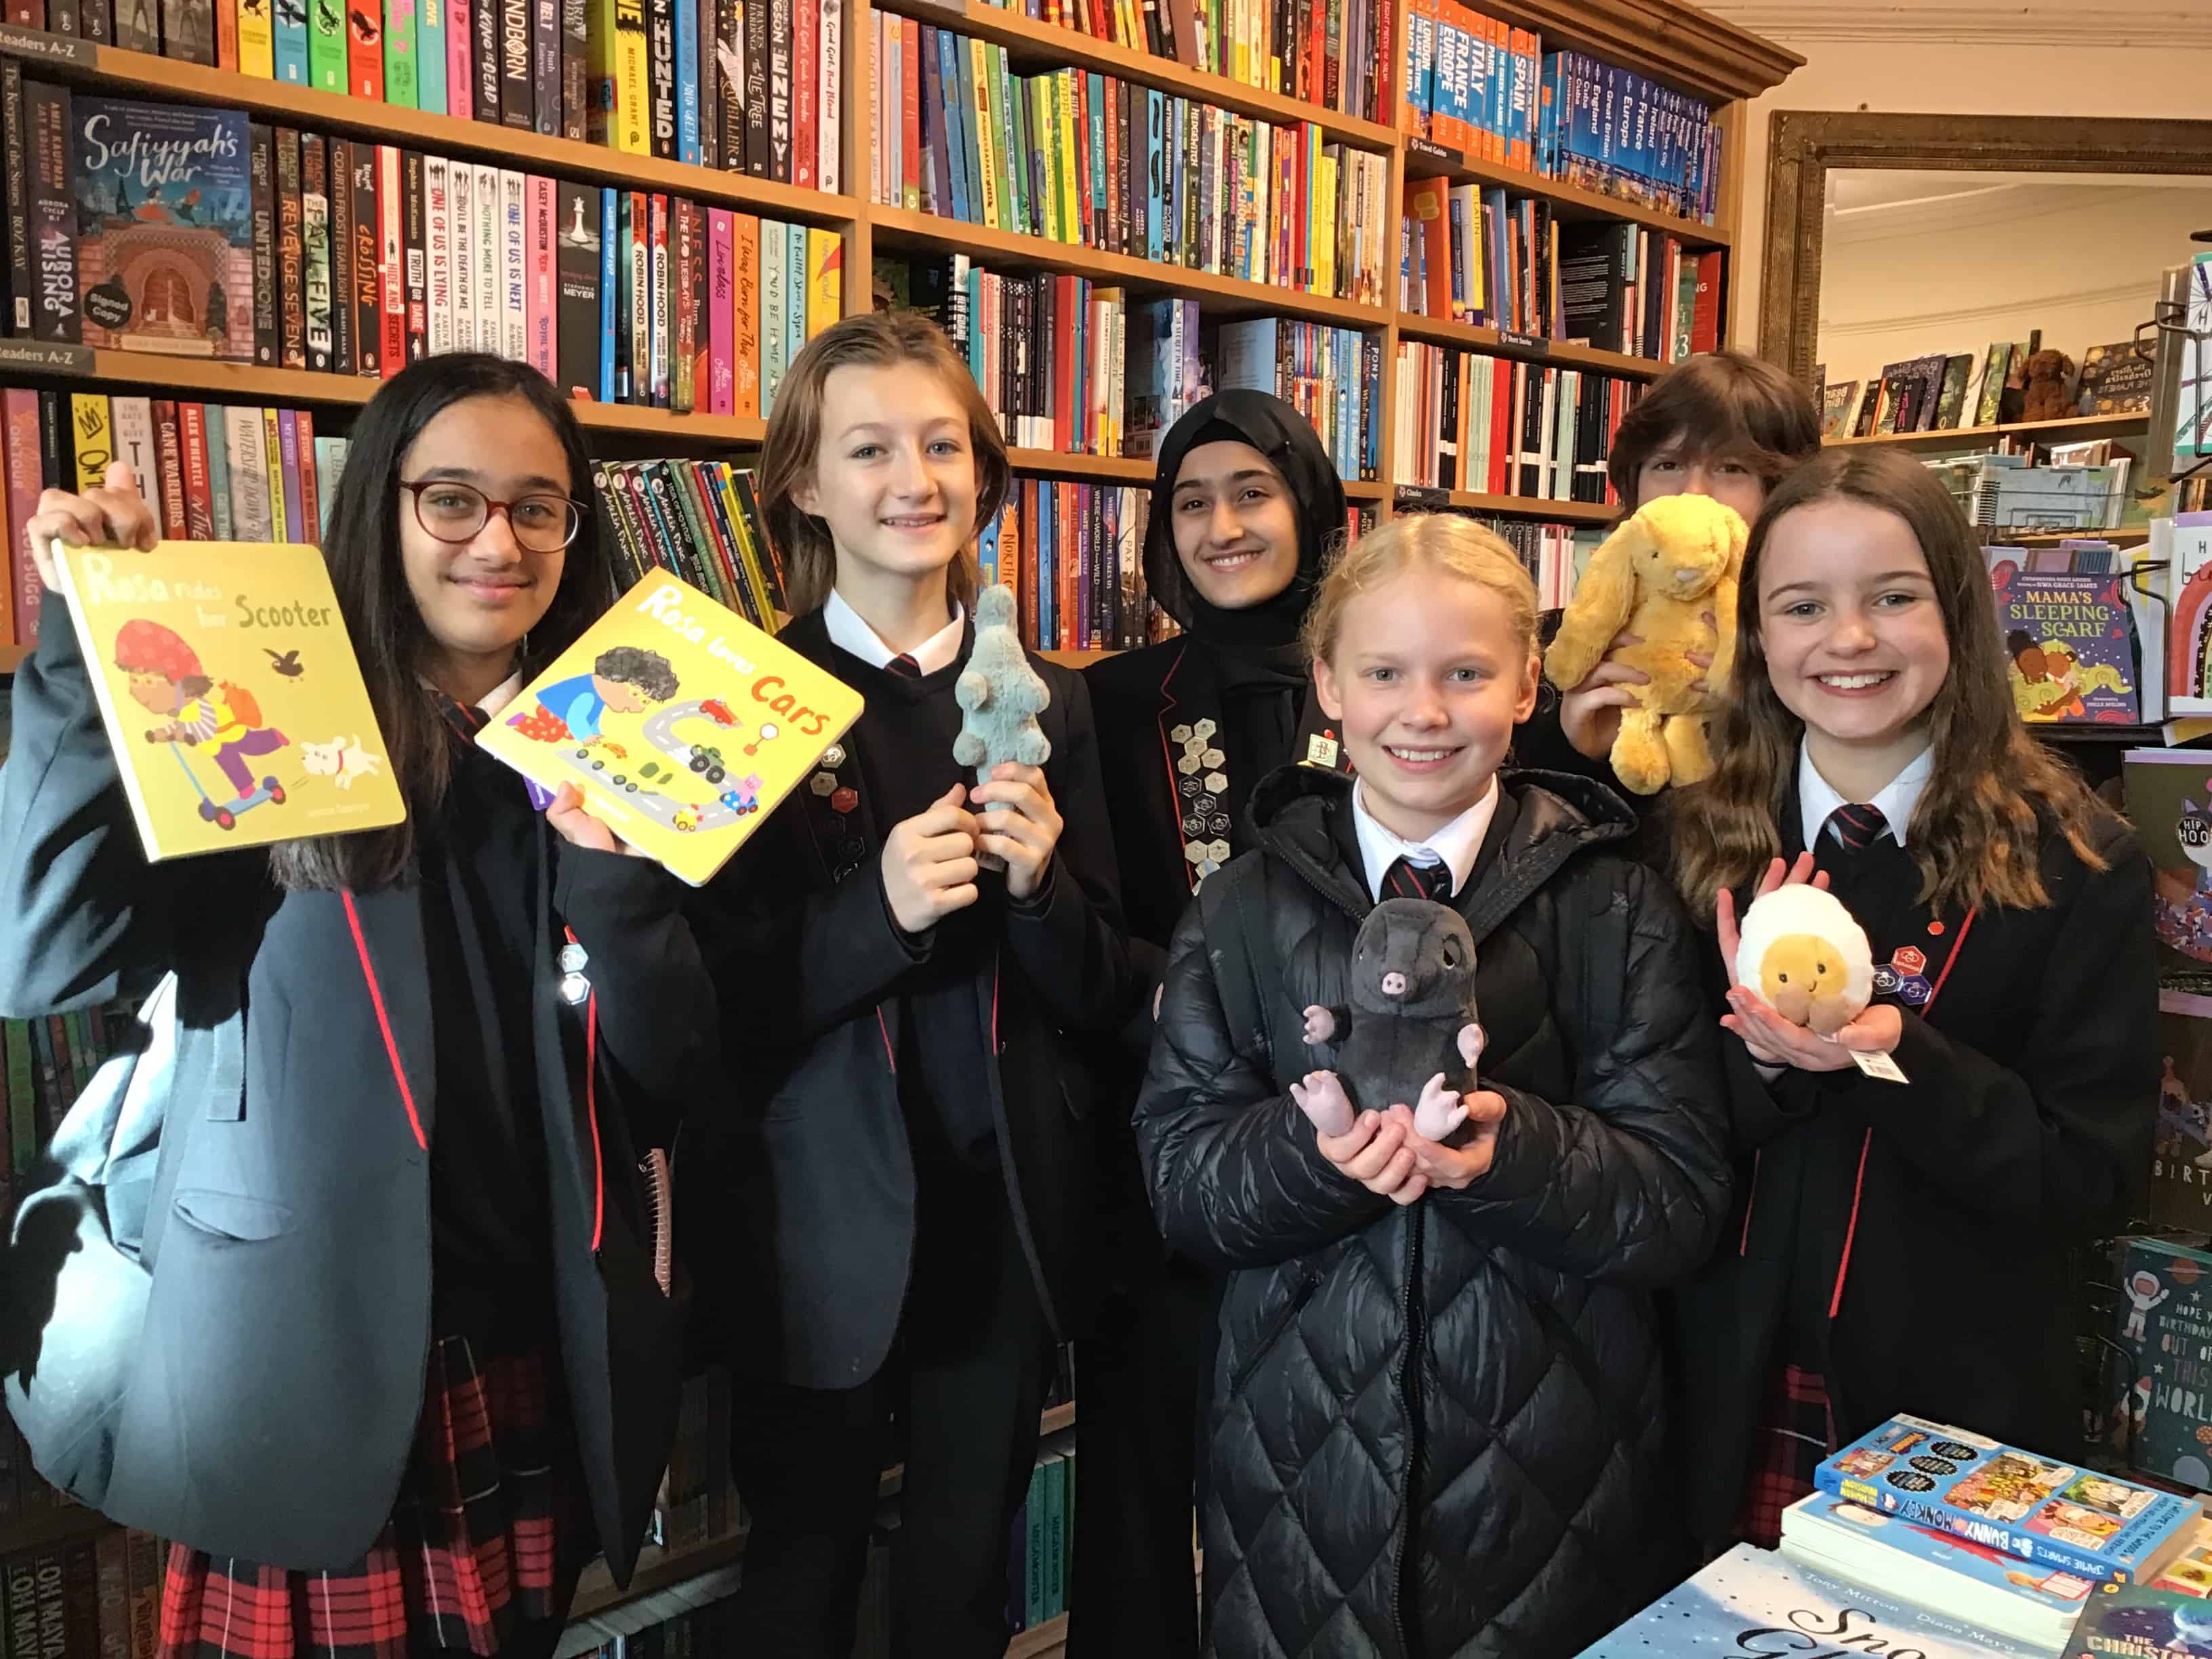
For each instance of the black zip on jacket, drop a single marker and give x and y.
(1439, 1428)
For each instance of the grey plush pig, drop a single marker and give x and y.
(1410, 1035)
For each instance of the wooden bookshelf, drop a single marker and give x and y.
(1048, 1638)
(67, 1522)
(1531, 506)
(1496, 342)
(1425, 160)
(2073, 427)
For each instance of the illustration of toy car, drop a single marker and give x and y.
(707, 761)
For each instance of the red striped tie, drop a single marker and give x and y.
(1856, 826)
(1407, 879)
(903, 666)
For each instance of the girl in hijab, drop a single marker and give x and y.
(1245, 508)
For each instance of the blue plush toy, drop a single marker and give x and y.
(1000, 696)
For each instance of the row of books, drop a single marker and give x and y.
(360, 258)
(700, 519)
(1074, 554)
(1334, 53)
(99, 1597)
(210, 472)
(1474, 254)
(1500, 427)
(1041, 1553)
(750, 86)
(1552, 554)
(1078, 157)
(698, 1617)
(1489, 89)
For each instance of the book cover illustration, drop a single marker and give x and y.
(2070, 638)
(2144, 1622)
(682, 723)
(2117, 379)
(165, 227)
(2168, 795)
(1753, 1601)
(2164, 1320)
(1951, 401)
(2012, 1501)
(231, 693)
(1839, 403)
(2180, 1175)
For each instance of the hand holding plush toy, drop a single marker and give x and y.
(1000, 696)
(1800, 950)
(1658, 577)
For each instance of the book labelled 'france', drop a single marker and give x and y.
(682, 725)
(230, 692)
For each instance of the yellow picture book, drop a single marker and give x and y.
(230, 693)
(683, 724)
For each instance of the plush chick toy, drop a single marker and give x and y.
(1000, 696)
(1658, 577)
(1410, 1034)
(1801, 951)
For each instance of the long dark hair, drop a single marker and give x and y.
(1976, 832)
(1718, 406)
(363, 551)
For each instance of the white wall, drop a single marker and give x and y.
(1957, 57)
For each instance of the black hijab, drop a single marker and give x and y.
(1261, 635)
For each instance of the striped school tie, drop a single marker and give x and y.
(1856, 826)
(1407, 879)
(903, 666)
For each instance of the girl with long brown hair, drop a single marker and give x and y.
(904, 1150)
(1900, 1245)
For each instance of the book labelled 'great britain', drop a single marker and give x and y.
(165, 227)
(230, 692)
(682, 724)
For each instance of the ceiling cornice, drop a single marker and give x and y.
(2045, 23)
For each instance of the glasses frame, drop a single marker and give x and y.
(575, 524)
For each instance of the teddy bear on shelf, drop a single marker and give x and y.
(1000, 696)
(1667, 577)
(2049, 394)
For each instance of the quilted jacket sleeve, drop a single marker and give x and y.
(1235, 1175)
(1627, 1184)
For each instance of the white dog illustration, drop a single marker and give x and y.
(342, 759)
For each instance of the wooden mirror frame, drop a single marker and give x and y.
(1803, 145)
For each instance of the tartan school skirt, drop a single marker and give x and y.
(490, 1509)
(1796, 1431)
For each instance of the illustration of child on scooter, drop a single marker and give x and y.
(220, 720)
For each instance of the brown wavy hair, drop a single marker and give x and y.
(1976, 832)
(876, 339)
(1718, 406)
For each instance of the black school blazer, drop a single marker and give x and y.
(1927, 1224)
(813, 1155)
(289, 1325)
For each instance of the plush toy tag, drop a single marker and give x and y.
(1878, 1065)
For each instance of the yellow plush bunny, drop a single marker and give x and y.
(1668, 577)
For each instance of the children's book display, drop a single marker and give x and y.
(2183, 545)
(2070, 639)
(2169, 802)
(2169, 1620)
(231, 693)
(682, 725)
(2181, 1151)
(2016, 1502)
(1753, 1603)
(2164, 1319)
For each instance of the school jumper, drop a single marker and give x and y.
(410, 1262)
(1903, 1247)
(1439, 1428)
(1147, 1338)
(904, 1152)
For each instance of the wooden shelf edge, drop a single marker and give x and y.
(329, 112)
(1531, 506)
(1041, 1638)
(1426, 159)
(2092, 425)
(1017, 32)
(1474, 337)
(1127, 469)
(71, 1523)
(900, 227)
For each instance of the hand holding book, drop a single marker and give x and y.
(114, 516)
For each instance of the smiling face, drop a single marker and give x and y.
(1427, 679)
(1850, 623)
(478, 598)
(1236, 526)
(894, 472)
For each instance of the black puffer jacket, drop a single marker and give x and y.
(1438, 1430)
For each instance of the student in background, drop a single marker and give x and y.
(904, 1157)
(1719, 424)
(1871, 732)
(1440, 1390)
(1245, 506)
(405, 1328)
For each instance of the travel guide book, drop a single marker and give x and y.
(230, 693)
(2011, 1501)
(1756, 1604)
(683, 724)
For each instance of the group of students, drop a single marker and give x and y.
(410, 1365)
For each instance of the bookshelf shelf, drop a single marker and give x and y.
(1227, 296)
(1425, 160)
(1531, 507)
(1026, 37)
(1047, 1638)
(2072, 426)
(1442, 331)
(71, 1523)
(113, 69)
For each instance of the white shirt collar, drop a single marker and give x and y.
(1456, 844)
(849, 634)
(501, 695)
(1817, 796)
